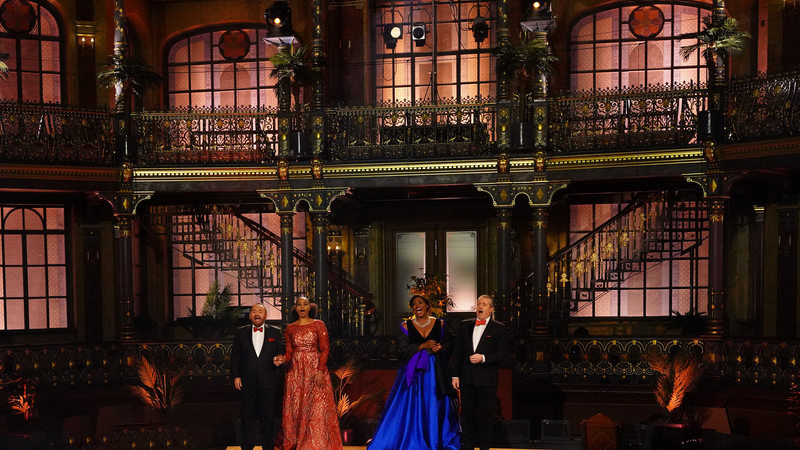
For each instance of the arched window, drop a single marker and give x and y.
(448, 63)
(634, 45)
(221, 67)
(30, 34)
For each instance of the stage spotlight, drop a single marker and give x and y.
(541, 9)
(279, 19)
(480, 29)
(391, 33)
(418, 33)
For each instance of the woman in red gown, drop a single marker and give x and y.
(310, 421)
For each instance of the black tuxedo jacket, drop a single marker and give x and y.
(255, 370)
(493, 346)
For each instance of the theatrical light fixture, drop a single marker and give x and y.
(540, 9)
(480, 29)
(391, 33)
(418, 33)
(279, 19)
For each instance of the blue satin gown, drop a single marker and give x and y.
(418, 415)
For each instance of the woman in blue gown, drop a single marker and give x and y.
(420, 413)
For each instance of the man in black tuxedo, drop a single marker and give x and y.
(480, 347)
(257, 352)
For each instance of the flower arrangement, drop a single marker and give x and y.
(434, 288)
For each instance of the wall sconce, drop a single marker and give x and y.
(335, 250)
(362, 246)
(84, 33)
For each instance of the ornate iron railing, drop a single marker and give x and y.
(641, 117)
(207, 136)
(742, 361)
(404, 131)
(55, 134)
(764, 107)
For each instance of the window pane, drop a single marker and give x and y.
(57, 281)
(410, 261)
(15, 310)
(13, 249)
(182, 306)
(35, 244)
(37, 313)
(56, 249)
(58, 313)
(36, 282)
(462, 269)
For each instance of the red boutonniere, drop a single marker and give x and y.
(271, 339)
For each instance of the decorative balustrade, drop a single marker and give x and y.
(55, 134)
(63, 366)
(403, 131)
(637, 117)
(764, 107)
(207, 136)
(660, 116)
(746, 362)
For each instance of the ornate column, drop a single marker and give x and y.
(503, 82)
(317, 130)
(716, 266)
(287, 262)
(715, 185)
(540, 255)
(124, 202)
(319, 220)
(123, 146)
(503, 262)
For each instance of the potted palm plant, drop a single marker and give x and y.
(293, 73)
(161, 390)
(128, 75)
(715, 42)
(217, 317)
(523, 62)
(344, 407)
(678, 375)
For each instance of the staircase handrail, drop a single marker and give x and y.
(299, 254)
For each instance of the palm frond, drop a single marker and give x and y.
(713, 40)
(147, 373)
(120, 69)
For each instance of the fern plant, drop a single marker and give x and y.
(343, 376)
(161, 389)
(677, 376)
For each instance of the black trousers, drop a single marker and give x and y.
(477, 406)
(258, 404)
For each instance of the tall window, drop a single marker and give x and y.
(449, 64)
(30, 35)
(224, 67)
(33, 268)
(634, 45)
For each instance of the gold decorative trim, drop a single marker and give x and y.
(758, 149)
(212, 173)
(624, 159)
(59, 172)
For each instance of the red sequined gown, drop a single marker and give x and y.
(310, 421)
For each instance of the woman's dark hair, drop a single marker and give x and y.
(312, 312)
(411, 302)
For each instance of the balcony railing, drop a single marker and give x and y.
(601, 359)
(764, 107)
(613, 120)
(55, 134)
(630, 119)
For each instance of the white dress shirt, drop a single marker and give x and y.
(477, 332)
(258, 338)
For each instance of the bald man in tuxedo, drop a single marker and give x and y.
(256, 354)
(480, 347)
